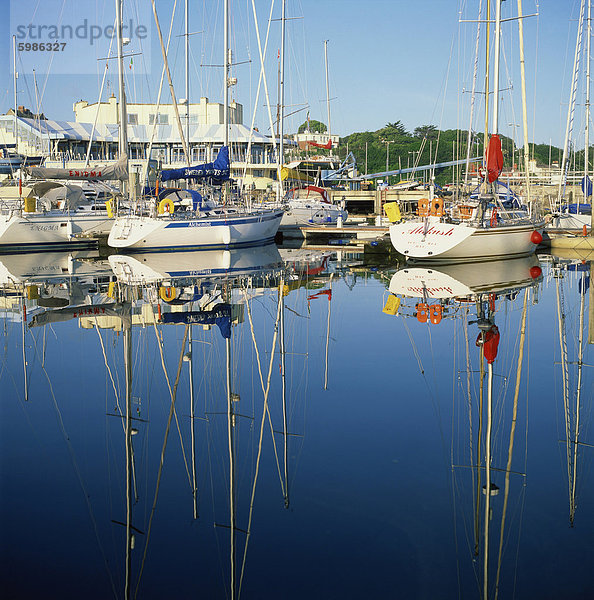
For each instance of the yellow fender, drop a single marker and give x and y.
(166, 202)
(392, 305)
(109, 208)
(167, 294)
(393, 211)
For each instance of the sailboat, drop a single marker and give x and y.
(54, 215)
(492, 228)
(570, 216)
(207, 225)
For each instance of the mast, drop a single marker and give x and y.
(571, 107)
(495, 125)
(327, 337)
(328, 88)
(487, 50)
(187, 63)
(281, 146)
(24, 320)
(230, 426)
(226, 74)
(15, 77)
(123, 130)
(587, 129)
(578, 396)
(171, 90)
(128, 442)
(524, 107)
(284, 387)
(192, 423)
(469, 139)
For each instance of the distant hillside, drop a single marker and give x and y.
(451, 146)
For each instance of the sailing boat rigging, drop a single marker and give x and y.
(494, 228)
(450, 292)
(201, 224)
(567, 216)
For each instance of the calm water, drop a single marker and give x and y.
(335, 450)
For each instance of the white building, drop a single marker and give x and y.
(67, 142)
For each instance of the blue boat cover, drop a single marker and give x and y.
(587, 185)
(217, 172)
(578, 209)
(220, 316)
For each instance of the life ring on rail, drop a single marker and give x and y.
(422, 310)
(167, 294)
(423, 207)
(437, 207)
(166, 205)
(435, 311)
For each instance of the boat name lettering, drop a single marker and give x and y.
(92, 174)
(431, 231)
(199, 224)
(44, 228)
(421, 290)
(91, 310)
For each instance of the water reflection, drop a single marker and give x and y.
(215, 423)
(227, 303)
(488, 307)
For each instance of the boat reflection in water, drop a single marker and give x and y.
(571, 276)
(227, 303)
(480, 302)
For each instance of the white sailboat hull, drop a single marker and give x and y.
(446, 241)
(569, 221)
(303, 216)
(50, 229)
(154, 233)
(150, 267)
(462, 280)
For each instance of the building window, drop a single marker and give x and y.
(132, 119)
(161, 119)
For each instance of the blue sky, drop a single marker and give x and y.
(389, 60)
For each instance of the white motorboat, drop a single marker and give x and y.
(310, 206)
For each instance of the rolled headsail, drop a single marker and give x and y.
(217, 172)
(115, 172)
(494, 158)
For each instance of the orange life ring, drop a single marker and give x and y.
(435, 312)
(437, 207)
(422, 309)
(423, 207)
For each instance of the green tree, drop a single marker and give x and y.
(314, 127)
(426, 131)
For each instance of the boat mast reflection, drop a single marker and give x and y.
(451, 292)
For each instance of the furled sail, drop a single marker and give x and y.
(67, 313)
(494, 158)
(220, 316)
(118, 171)
(217, 171)
(326, 146)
